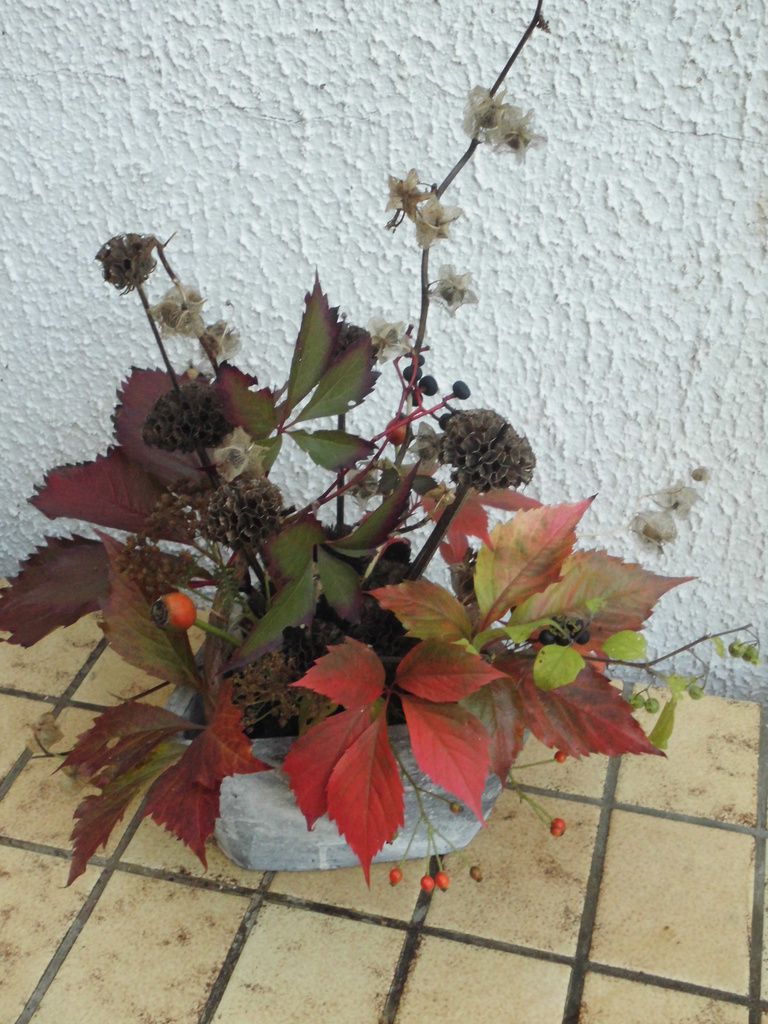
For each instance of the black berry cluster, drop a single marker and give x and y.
(569, 631)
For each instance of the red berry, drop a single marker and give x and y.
(395, 876)
(176, 611)
(427, 883)
(442, 881)
(557, 826)
(397, 431)
(561, 756)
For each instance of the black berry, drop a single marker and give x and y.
(546, 637)
(428, 386)
(562, 641)
(408, 373)
(582, 637)
(443, 421)
(421, 359)
(460, 390)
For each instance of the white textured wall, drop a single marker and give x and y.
(620, 271)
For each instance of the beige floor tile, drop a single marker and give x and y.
(533, 885)
(16, 716)
(112, 680)
(711, 766)
(298, 967)
(154, 847)
(583, 776)
(50, 665)
(676, 901)
(455, 984)
(346, 887)
(612, 1000)
(39, 805)
(150, 951)
(35, 912)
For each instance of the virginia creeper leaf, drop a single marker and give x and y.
(496, 708)
(365, 794)
(185, 798)
(524, 556)
(314, 346)
(340, 583)
(523, 631)
(56, 585)
(129, 627)
(376, 527)
(332, 449)
(349, 674)
(344, 384)
(254, 411)
(450, 746)
(587, 717)
(437, 671)
(137, 396)
(110, 491)
(665, 723)
(293, 606)
(268, 451)
(314, 755)
(290, 551)
(426, 610)
(625, 646)
(472, 519)
(556, 666)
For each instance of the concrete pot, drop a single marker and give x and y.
(261, 828)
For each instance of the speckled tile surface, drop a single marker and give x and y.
(649, 907)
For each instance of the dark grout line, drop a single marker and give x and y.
(498, 944)
(671, 984)
(247, 924)
(572, 1010)
(758, 894)
(59, 704)
(47, 698)
(408, 953)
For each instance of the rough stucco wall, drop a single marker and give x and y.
(620, 270)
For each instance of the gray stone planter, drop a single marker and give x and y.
(261, 828)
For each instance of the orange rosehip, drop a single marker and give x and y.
(557, 827)
(427, 883)
(174, 611)
(561, 756)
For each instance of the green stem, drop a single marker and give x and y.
(215, 631)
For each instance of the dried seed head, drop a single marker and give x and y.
(178, 312)
(678, 499)
(246, 511)
(187, 419)
(127, 260)
(453, 290)
(701, 474)
(389, 339)
(485, 451)
(657, 527)
(222, 340)
(433, 221)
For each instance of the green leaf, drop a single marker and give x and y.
(340, 583)
(344, 385)
(594, 605)
(665, 723)
(556, 666)
(269, 450)
(254, 411)
(717, 643)
(332, 449)
(290, 551)
(519, 634)
(679, 684)
(380, 523)
(626, 646)
(314, 346)
(293, 606)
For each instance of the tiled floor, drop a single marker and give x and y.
(649, 908)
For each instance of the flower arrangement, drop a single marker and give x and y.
(320, 621)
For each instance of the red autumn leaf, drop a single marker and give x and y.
(365, 794)
(451, 747)
(349, 674)
(129, 627)
(137, 396)
(524, 556)
(628, 593)
(314, 755)
(98, 814)
(472, 519)
(57, 585)
(110, 491)
(443, 672)
(497, 709)
(427, 610)
(185, 798)
(589, 716)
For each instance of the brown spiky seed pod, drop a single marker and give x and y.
(485, 451)
(246, 511)
(185, 420)
(127, 260)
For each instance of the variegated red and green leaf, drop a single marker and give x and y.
(496, 707)
(254, 411)
(440, 672)
(427, 610)
(378, 525)
(472, 519)
(314, 346)
(349, 674)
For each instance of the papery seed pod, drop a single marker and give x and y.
(485, 451)
(246, 511)
(657, 527)
(185, 420)
(127, 260)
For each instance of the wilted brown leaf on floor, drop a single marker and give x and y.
(46, 733)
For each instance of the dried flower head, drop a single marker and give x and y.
(426, 445)
(220, 340)
(246, 511)
(367, 489)
(178, 312)
(389, 339)
(185, 420)
(453, 290)
(485, 451)
(482, 112)
(127, 260)
(433, 221)
(678, 498)
(238, 455)
(514, 133)
(657, 527)
(405, 196)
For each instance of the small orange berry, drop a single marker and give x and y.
(427, 883)
(395, 876)
(442, 881)
(557, 827)
(561, 756)
(174, 611)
